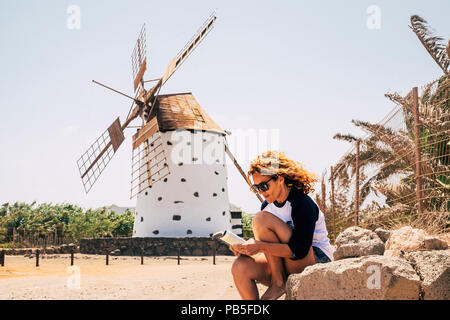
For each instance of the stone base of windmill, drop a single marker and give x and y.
(192, 246)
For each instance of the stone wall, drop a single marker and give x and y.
(61, 249)
(191, 246)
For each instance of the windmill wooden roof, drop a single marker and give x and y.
(182, 111)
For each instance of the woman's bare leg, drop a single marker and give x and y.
(269, 228)
(266, 269)
(297, 266)
(246, 271)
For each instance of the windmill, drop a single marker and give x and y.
(178, 166)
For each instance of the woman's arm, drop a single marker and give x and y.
(277, 249)
(255, 246)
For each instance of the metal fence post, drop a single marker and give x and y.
(357, 184)
(2, 258)
(324, 195)
(417, 151)
(332, 203)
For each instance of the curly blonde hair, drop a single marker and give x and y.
(274, 162)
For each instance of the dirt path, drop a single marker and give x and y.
(124, 278)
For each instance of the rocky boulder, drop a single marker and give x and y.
(383, 234)
(357, 242)
(432, 243)
(394, 253)
(406, 239)
(433, 268)
(364, 278)
(409, 239)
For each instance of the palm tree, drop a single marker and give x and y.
(391, 151)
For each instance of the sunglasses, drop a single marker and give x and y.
(263, 186)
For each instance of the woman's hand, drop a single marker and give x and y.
(249, 248)
(234, 250)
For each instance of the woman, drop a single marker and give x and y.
(290, 229)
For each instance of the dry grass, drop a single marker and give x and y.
(433, 223)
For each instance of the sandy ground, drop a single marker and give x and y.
(159, 278)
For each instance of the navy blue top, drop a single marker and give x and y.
(305, 214)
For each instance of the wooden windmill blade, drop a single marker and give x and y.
(149, 162)
(139, 66)
(232, 158)
(150, 96)
(189, 47)
(92, 163)
(139, 58)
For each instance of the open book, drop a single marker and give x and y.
(230, 238)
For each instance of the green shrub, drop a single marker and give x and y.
(247, 231)
(63, 220)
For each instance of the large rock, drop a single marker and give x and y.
(383, 234)
(406, 239)
(365, 278)
(433, 268)
(394, 253)
(432, 243)
(357, 242)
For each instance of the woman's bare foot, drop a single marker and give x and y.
(274, 292)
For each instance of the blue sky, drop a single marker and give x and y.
(303, 68)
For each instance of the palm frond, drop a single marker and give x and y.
(396, 142)
(345, 137)
(432, 44)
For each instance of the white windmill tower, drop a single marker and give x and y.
(178, 163)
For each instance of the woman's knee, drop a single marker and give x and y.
(260, 219)
(241, 266)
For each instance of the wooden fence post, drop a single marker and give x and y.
(37, 257)
(417, 152)
(2, 258)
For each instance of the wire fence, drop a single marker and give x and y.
(399, 173)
